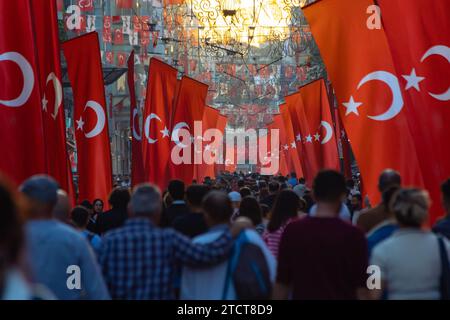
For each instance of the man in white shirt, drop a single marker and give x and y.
(209, 283)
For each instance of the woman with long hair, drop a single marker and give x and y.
(285, 210)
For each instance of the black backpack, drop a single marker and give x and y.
(249, 271)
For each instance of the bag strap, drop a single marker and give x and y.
(232, 262)
(445, 266)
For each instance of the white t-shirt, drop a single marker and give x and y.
(410, 264)
(208, 283)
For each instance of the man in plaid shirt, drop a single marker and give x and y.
(139, 259)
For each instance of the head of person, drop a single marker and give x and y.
(356, 201)
(119, 198)
(286, 206)
(41, 192)
(284, 186)
(11, 232)
(329, 189)
(302, 180)
(274, 187)
(389, 178)
(88, 206)
(98, 206)
(80, 217)
(410, 207)
(445, 190)
(263, 192)
(250, 208)
(235, 198)
(245, 192)
(61, 211)
(146, 202)
(176, 190)
(264, 210)
(386, 198)
(194, 196)
(217, 208)
(293, 175)
(241, 183)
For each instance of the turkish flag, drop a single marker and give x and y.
(137, 165)
(302, 133)
(210, 147)
(86, 5)
(188, 108)
(162, 80)
(422, 61)
(85, 73)
(290, 144)
(320, 122)
(278, 123)
(48, 52)
(220, 163)
(21, 129)
(368, 92)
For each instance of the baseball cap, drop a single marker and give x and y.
(235, 196)
(42, 188)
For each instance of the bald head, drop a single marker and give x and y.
(62, 208)
(389, 178)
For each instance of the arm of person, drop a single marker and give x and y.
(91, 275)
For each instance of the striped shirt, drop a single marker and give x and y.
(272, 239)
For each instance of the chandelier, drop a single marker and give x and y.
(243, 22)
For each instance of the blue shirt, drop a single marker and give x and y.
(293, 182)
(52, 248)
(94, 240)
(443, 227)
(139, 260)
(379, 234)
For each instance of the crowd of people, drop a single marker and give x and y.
(234, 237)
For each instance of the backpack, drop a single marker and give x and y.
(249, 271)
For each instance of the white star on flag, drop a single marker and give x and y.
(80, 124)
(286, 147)
(293, 145)
(44, 104)
(299, 137)
(309, 138)
(352, 106)
(317, 137)
(208, 147)
(165, 132)
(413, 80)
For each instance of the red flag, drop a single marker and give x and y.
(421, 57)
(21, 131)
(305, 143)
(278, 123)
(188, 108)
(118, 36)
(93, 147)
(290, 144)
(86, 5)
(371, 110)
(137, 165)
(210, 121)
(162, 79)
(320, 123)
(124, 4)
(221, 125)
(48, 51)
(345, 145)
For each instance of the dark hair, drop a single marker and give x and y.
(389, 178)
(87, 204)
(329, 186)
(357, 196)
(274, 187)
(264, 210)
(286, 206)
(302, 180)
(283, 186)
(218, 206)
(97, 200)
(387, 195)
(119, 198)
(250, 208)
(80, 216)
(195, 194)
(264, 192)
(350, 183)
(293, 175)
(176, 189)
(445, 189)
(410, 207)
(11, 232)
(245, 192)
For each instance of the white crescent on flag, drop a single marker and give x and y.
(444, 52)
(101, 119)
(28, 79)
